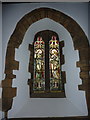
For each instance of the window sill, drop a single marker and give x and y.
(52, 94)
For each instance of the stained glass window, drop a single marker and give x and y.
(46, 59)
(54, 64)
(39, 65)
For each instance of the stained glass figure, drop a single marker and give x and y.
(39, 65)
(54, 64)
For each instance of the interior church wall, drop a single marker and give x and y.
(88, 21)
(0, 43)
(23, 106)
(0, 53)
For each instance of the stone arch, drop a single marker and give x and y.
(80, 43)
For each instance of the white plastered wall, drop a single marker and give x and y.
(75, 103)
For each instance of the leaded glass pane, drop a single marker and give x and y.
(39, 65)
(54, 64)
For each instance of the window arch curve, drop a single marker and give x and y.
(79, 39)
(47, 78)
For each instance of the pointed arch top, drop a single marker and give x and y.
(80, 43)
(66, 21)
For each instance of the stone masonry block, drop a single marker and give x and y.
(9, 92)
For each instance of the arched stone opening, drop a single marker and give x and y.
(80, 42)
